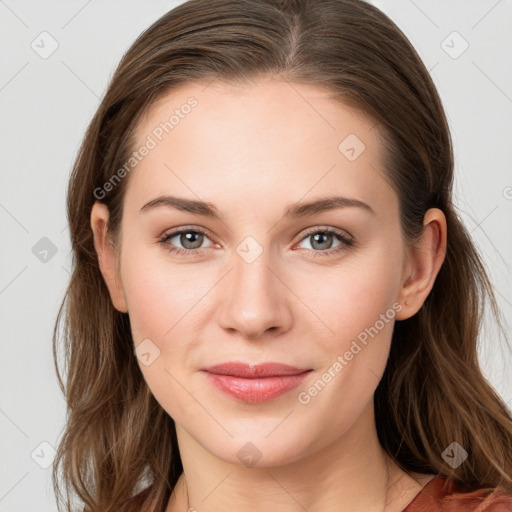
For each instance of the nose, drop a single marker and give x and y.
(258, 303)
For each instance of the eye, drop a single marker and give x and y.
(190, 239)
(321, 241)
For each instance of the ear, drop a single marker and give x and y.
(423, 262)
(107, 258)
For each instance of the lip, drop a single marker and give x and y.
(255, 383)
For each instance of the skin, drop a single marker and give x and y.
(252, 151)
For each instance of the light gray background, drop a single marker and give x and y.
(46, 104)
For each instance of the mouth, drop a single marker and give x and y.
(255, 383)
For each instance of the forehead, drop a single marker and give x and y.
(268, 107)
(259, 140)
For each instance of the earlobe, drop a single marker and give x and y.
(107, 259)
(425, 258)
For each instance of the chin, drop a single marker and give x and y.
(257, 448)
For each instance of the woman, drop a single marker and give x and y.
(274, 304)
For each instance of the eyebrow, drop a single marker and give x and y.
(299, 209)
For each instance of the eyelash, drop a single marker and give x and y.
(346, 242)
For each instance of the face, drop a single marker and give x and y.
(267, 279)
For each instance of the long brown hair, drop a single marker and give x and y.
(118, 441)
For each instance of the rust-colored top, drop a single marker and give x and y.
(440, 495)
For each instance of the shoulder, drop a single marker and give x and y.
(442, 495)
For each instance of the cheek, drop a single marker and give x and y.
(160, 296)
(147, 304)
(355, 294)
(161, 310)
(359, 306)
(351, 359)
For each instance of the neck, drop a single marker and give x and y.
(352, 474)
